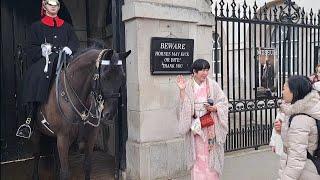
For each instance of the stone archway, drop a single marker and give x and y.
(16, 18)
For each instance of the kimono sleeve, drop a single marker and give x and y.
(221, 101)
(184, 115)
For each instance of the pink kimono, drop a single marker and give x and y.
(201, 170)
(204, 164)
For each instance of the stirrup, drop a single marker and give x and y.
(26, 125)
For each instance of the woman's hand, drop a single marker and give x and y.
(209, 108)
(277, 126)
(273, 149)
(181, 82)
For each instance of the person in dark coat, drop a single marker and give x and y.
(268, 75)
(47, 37)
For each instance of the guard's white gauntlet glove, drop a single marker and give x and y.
(46, 49)
(67, 50)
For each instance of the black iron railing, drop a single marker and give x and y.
(242, 38)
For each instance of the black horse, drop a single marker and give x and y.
(81, 95)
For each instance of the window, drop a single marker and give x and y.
(216, 54)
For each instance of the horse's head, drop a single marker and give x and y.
(112, 77)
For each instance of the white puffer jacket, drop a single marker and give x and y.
(300, 137)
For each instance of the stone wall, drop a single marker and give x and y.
(154, 149)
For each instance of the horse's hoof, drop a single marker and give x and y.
(81, 147)
(35, 177)
(64, 175)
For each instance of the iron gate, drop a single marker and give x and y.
(255, 49)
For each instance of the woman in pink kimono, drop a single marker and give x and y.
(205, 153)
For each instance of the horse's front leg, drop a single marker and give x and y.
(63, 144)
(91, 139)
(36, 153)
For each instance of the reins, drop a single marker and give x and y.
(96, 97)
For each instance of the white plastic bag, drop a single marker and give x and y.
(196, 128)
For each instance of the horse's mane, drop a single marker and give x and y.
(94, 44)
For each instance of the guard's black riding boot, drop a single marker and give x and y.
(25, 130)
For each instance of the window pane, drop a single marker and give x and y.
(216, 53)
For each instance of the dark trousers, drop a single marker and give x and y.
(31, 110)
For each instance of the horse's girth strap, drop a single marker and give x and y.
(100, 56)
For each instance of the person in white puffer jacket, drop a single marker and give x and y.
(302, 135)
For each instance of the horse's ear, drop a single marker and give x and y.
(124, 55)
(108, 54)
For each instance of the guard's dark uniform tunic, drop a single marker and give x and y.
(59, 34)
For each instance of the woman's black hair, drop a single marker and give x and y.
(200, 64)
(300, 86)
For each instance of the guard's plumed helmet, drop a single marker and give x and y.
(52, 2)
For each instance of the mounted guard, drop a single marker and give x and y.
(47, 37)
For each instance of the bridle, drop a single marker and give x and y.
(97, 97)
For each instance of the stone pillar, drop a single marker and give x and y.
(154, 148)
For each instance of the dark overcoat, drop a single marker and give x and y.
(36, 84)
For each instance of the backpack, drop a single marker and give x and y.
(316, 156)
